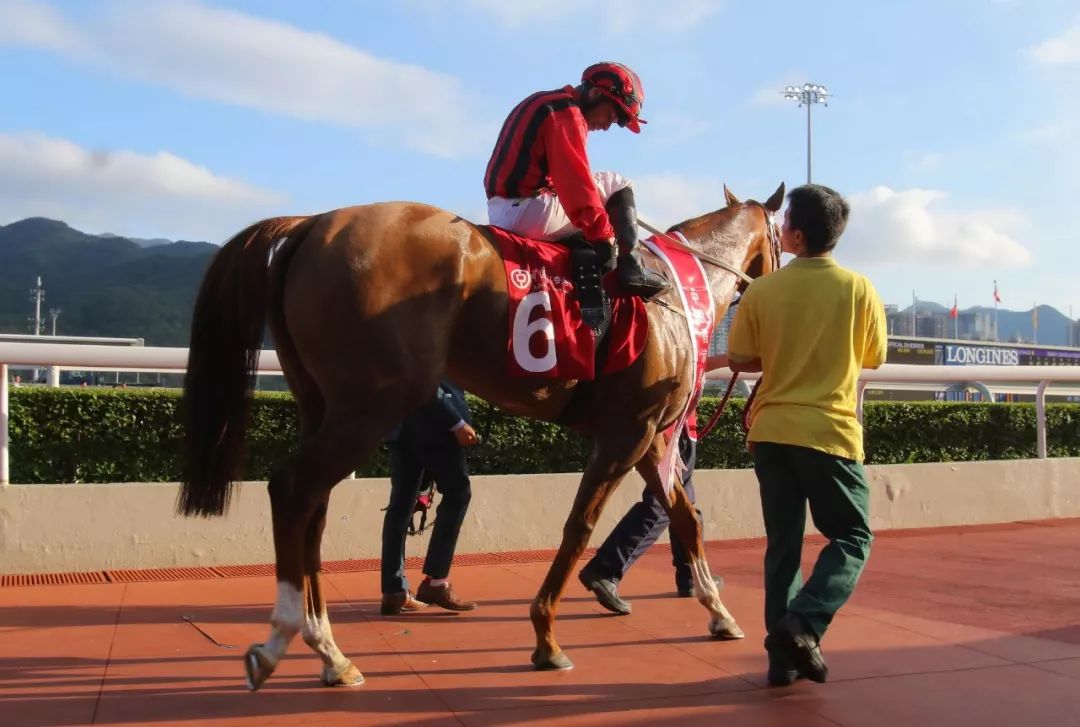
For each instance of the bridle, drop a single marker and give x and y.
(774, 233)
(775, 252)
(676, 239)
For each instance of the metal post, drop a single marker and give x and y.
(1040, 418)
(4, 461)
(807, 95)
(38, 292)
(809, 146)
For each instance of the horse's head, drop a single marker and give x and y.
(743, 234)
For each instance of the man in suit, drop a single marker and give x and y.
(432, 440)
(642, 525)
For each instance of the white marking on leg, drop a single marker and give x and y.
(286, 620)
(708, 595)
(318, 636)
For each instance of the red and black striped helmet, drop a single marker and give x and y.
(622, 86)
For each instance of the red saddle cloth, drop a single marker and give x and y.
(547, 337)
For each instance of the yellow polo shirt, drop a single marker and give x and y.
(814, 325)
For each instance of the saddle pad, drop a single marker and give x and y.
(697, 303)
(547, 337)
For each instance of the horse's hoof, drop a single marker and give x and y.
(257, 667)
(552, 662)
(350, 676)
(726, 630)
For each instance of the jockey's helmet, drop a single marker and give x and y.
(622, 86)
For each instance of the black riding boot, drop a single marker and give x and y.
(634, 279)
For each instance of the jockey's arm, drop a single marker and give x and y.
(568, 166)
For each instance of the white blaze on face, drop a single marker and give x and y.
(287, 618)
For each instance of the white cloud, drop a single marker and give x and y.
(123, 191)
(889, 227)
(924, 162)
(1058, 134)
(1060, 50)
(672, 128)
(36, 25)
(617, 16)
(240, 59)
(666, 199)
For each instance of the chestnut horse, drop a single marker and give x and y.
(369, 307)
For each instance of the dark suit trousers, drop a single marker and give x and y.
(641, 526)
(447, 466)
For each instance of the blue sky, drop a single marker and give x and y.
(954, 128)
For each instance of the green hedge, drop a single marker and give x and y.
(110, 435)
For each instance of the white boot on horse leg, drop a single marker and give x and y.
(286, 620)
(721, 623)
(337, 671)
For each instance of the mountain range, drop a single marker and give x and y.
(108, 285)
(104, 285)
(1014, 325)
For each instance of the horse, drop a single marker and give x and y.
(368, 308)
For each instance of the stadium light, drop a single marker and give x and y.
(807, 95)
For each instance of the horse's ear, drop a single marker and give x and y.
(774, 202)
(732, 200)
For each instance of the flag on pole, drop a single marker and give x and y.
(955, 311)
(997, 296)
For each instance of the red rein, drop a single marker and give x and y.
(723, 403)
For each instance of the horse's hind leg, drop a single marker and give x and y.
(298, 496)
(337, 670)
(687, 528)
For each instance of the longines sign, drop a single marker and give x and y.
(980, 356)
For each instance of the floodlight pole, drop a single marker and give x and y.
(807, 95)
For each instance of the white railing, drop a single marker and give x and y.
(151, 359)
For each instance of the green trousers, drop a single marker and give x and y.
(789, 478)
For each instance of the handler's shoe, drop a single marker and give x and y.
(395, 603)
(782, 673)
(797, 643)
(605, 590)
(442, 596)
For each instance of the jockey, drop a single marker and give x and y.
(539, 183)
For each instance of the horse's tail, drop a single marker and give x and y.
(226, 337)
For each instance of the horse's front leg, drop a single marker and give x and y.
(603, 473)
(687, 528)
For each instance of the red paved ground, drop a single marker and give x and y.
(973, 627)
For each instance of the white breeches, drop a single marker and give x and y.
(542, 217)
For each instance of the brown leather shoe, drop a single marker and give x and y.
(442, 596)
(395, 603)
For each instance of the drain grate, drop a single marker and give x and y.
(355, 565)
(52, 579)
(361, 565)
(159, 574)
(244, 571)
